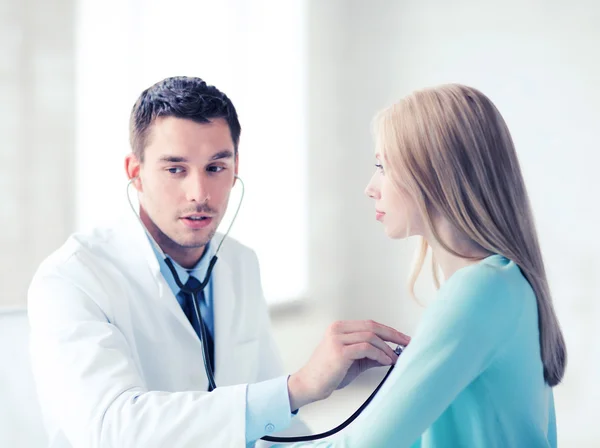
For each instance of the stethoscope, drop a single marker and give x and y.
(208, 367)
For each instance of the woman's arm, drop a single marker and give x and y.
(457, 339)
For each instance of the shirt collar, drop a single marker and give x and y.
(198, 271)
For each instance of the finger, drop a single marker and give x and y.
(383, 331)
(371, 338)
(364, 350)
(389, 334)
(367, 364)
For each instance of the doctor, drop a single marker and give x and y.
(115, 346)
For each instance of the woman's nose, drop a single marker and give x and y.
(372, 191)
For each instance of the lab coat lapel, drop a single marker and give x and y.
(224, 309)
(144, 259)
(167, 297)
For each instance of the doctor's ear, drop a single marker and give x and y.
(137, 183)
(132, 168)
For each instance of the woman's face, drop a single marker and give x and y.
(394, 207)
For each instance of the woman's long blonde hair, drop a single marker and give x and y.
(450, 148)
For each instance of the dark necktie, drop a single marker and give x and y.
(190, 312)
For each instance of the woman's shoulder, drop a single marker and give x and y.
(493, 285)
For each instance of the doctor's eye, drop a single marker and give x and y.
(175, 170)
(215, 169)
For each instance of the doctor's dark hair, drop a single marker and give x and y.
(180, 97)
(450, 148)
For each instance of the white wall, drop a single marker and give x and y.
(36, 128)
(353, 266)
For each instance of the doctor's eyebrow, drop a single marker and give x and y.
(225, 154)
(173, 159)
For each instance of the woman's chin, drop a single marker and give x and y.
(395, 234)
(398, 234)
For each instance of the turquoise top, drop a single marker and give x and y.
(472, 375)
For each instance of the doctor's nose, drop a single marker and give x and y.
(196, 189)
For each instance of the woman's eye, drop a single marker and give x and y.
(175, 170)
(379, 166)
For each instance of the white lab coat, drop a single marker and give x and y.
(115, 360)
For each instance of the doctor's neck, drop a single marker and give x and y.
(187, 256)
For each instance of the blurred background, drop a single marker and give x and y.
(307, 77)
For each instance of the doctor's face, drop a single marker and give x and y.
(394, 207)
(184, 183)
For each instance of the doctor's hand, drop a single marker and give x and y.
(347, 349)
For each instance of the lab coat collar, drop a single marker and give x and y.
(140, 250)
(136, 237)
(141, 238)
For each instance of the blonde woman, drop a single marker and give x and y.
(480, 368)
